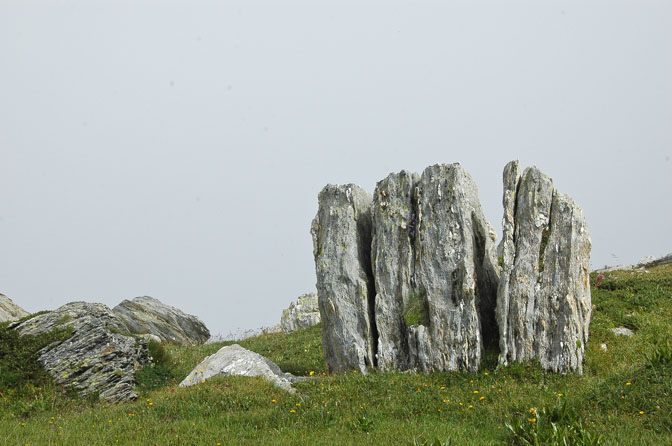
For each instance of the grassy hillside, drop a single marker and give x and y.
(624, 397)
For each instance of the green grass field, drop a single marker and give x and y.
(624, 397)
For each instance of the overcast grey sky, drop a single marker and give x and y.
(176, 149)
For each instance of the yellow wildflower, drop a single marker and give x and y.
(481, 398)
(628, 383)
(532, 420)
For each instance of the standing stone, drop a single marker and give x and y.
(341, 234)
(302, 313)
(456, 272)
(9, 311)
(393, 262)
(543, 302)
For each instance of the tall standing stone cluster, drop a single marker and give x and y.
(409, 278)
(543, 302)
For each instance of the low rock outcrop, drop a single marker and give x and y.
(302, 313)
(543, 302)
(341, 234)
(98, 358)
(146, 315)
(235, 360)
(9, 311)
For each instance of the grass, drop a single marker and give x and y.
(416, 311)
(623, 398)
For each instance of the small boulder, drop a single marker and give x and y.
(622, 331)
(146, 315)
(9, 311)
(236, 360)
(98, 358)
(302, 313)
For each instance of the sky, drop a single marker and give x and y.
(176, 149)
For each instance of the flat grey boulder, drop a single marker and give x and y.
(236, 360)
(97, 358)
(302, 313)
(147, 315)
(9, 311)
(622, 331)
(341, 234)
(543, 302)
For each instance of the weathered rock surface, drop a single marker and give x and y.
(302, 313)
(456, 272)
(97, 358)
(235, 360)
(435, 273)
(543, 302)
(9, 311)
(435, 270)
(393, 262)
(341, 234)
(146, 315)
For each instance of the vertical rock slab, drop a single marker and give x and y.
(543, 301)
(393, 263)
(341, 234)
(456, 272)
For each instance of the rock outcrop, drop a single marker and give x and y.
(302, 313)
(435, 270)
(543, 303)
(9, 311)
(98, 358)
(432, 298)
(646, 262)
(235, 360)
(146, 315)
(341, 234)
